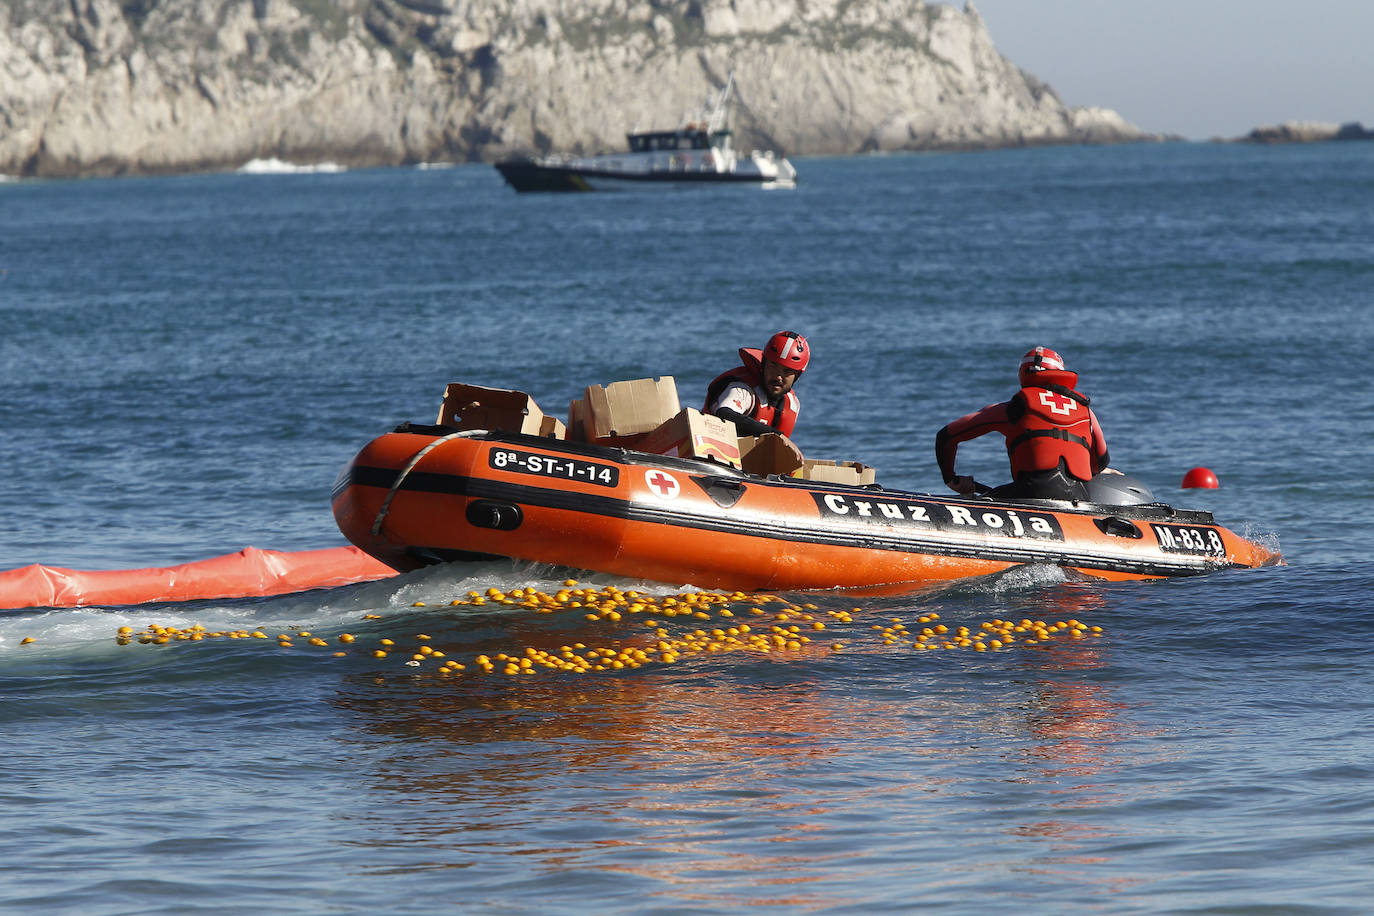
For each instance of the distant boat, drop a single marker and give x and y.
(700, 152)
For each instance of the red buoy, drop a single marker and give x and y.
(1200, 479)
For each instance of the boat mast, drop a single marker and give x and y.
(718, 114)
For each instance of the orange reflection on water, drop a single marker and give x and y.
(739, 770)
(696, 774)
(1080, 733)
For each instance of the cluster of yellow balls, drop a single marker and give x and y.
(613, 605)
(994, 634)
(788, 627)
(158, 635)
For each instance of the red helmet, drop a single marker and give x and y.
(1040, 359)
(789, 350)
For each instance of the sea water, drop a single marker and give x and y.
(188, 362)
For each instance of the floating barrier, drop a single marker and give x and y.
(250, 572)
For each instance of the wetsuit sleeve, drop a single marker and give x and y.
(990, 419)
(1100, 459)
(736, 403)
(746, 426)
(738, 397)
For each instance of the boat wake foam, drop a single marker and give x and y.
(278, 167)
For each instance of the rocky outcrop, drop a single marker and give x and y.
(91, 87)
(1307, 132)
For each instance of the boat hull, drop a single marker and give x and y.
(527, 175)
(428, 494)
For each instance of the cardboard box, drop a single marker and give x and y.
(768, 454)
(474, 407)
(577, 420)
(623, 409)
(693, 434)
(553, 428)
(578, 429)
(849, 472)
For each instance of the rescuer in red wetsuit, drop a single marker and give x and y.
(758, 395)
(1054, 441)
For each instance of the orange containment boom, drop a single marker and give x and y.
(248, 573)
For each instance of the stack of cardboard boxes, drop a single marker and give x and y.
(644, 415)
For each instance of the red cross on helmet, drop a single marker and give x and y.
(1040, 359)
(788, 349)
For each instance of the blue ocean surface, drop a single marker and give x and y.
(188, 362)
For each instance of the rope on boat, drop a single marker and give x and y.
(400, 478)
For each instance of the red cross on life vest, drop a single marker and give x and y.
(665, 484)
(1057, 403)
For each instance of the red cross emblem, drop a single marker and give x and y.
(1057, 403)
(662, 483)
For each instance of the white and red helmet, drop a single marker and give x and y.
(1039, 359)
(789, 350)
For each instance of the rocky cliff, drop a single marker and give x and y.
(91, 87)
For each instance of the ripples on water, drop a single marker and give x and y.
(188, 362)
(1145, 764)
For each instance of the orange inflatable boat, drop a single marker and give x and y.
(427, 494)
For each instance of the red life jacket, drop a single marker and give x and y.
(1056, 426)
(782, 418)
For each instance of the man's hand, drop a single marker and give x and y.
(962, 485)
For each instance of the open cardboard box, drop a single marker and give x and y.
(621, 413)
(849, 472)
(770, 453)
(475, 407)
(693, 434)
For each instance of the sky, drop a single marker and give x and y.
(1196, 68)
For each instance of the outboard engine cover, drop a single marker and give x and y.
(1110, 489)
